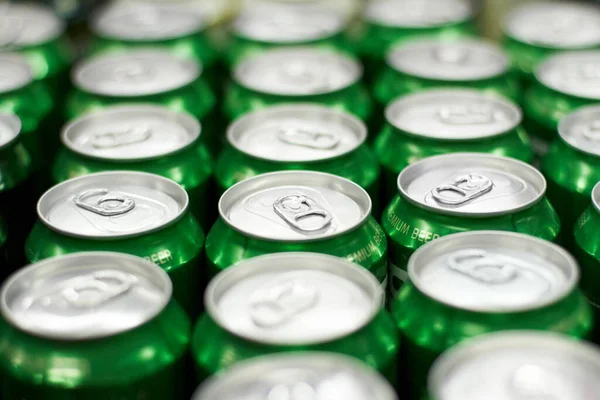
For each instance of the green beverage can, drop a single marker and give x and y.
(321, 375)
(298, 137)
(264, 305)
(524, 365)
(298, 74)
(146, 138)
(297, 211)
(536, 30)
(441, 121)
(136, 213)
(462, 192)
(94, 325)
(472, 283)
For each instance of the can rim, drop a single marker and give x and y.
(571, 118)
(596, 197)
(14, 122)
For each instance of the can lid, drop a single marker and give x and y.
(575, 73)
(28, 24)
(418, 13)
(271, 299)
(131, 133)
(297, 132)
(307, 375)
(112, 205)
(15, 73)
(453, 114)
(145, 22)
(515, 365)
(581, 129)
(298, 71)
(10, 128)
(295, 206)
(562, 25)
(462, 60)
(493, 271)
(471, 185)
(134, 73)
(85, 296)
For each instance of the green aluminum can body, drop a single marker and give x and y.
(87, 353)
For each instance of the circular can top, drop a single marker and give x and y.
(271, 299)
(10, 128)
(284, 24)
(560, 25)
(453, 114)
(297, 71)
(143, 22)
(295, 206)
(515, 365)
(297, 132)
(493, 271)
(418, 13)
(307, 375)
(28, 24)
(581, 130)
(85, 296)
(461, 60)
(112, 205)
(15, 73)
(471, 185)
(131, 133)
(575, 73)
(135, 73)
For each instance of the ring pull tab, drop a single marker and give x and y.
(587, 73)
(108, 205)
(467, 187)
(95, 289)
(473, 114)
(451, 55)
(274, 306)
(591, 131)
(131, 72)
(296, 207)
(478, 265)
(110, 140)
(308, 138)
(302, 74)
(531, 382)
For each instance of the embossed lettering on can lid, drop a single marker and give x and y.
(459, 60)
(309, 375)
(453, 114)
(295, 206)
(581, 129)
(85, 295)
(472, 185)
(15, 73)
(28, 24)
(418, 13)
(562, 25)
(493, 271)
(516, 365)
(298, 71)
(131, 132)
(273, 298)
(297, 132)
(112, 205)
(135, 73)
(576, 73)
(10, 128)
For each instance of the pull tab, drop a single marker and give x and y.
(276, 305)
(301, 74)
(109, 140)
(95, 289)
(531, 382)
(451, 55)
(294, 207)
(293, 391)
(308, 138)
(477, 264)
(473, 114)
(108, 205)
(592, 131)
(468, 187)
(131, 72)
(587, 73)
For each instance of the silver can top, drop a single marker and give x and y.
(298, 71)
(134, 73)
(85, 296)
(596, 196)
(273, 298)
(453, 114)
(28, 24)
(575, 73)
(459, 60)
(418, 13)
(581, 130)
(295, 206)
(493, 271)
(472, 185)
(518, 365)
(112, 205)
(297, 132)
(15, 73)
(551, 24)
(131, 133)
(10, 128)
(307, 375)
